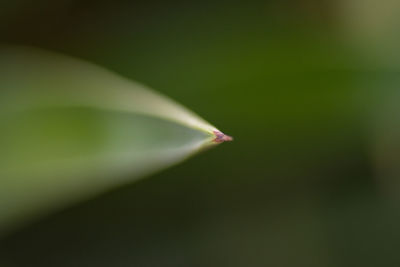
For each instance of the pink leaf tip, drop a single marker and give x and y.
(221, 137)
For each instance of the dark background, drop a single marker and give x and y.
(309, 89)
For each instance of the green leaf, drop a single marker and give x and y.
(70, 130)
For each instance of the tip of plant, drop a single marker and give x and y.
(221, 137)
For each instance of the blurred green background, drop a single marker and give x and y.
(310, 91)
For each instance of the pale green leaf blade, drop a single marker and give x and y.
(70, 129)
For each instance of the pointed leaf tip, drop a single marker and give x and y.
(88, 127)
(221, 137)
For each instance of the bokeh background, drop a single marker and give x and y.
(308, 88)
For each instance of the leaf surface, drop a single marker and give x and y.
(70, 130)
